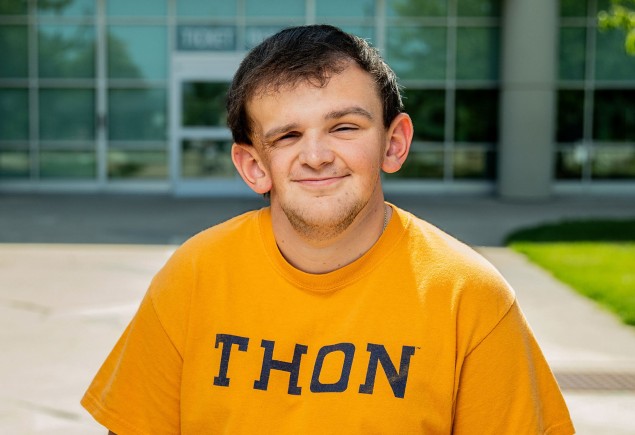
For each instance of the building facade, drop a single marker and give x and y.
(520, 97)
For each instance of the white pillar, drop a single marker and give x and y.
(527, 105)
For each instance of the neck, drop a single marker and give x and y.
(326, 255)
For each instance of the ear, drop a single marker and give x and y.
(399, 138)
(250, 167)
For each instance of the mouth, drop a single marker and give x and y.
(319, 181)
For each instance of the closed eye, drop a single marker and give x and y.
(287, 136)
(346, 127)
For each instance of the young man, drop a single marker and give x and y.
(330, 311)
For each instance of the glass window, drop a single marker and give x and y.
(67, 114)
(14, 163)
(479, 8)
(137, 114)
(350, 8)
(572, 53)
(14, 114)
(136, 8)
(206, 159)
(469, 163)
(67, 8)
(477, 53)
(421, 163)
(570, 161)
(68, 164)
(476, 116)
(14, 48)
(427, 110)
(613, 162)
(573, 8)
(416, 8)
(279, 8)
(137, 52)
(208, 9)
(612, 62)
(137, 164)
(417, 52)
(570, 124)
(66, 51)
(14, 7)
(614, 115)
(204, 104)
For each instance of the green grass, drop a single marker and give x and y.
(595, 257)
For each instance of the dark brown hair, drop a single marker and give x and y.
(307, 53)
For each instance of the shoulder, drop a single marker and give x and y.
(172, 288)
(211, 242)
(241, 227)
(217, 244)
(477, 294)
(447, 257)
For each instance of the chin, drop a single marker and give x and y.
(322, 220)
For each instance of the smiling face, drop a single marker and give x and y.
(320, 150)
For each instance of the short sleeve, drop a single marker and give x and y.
(506, 386)
(137, 389)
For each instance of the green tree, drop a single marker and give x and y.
(621, 15)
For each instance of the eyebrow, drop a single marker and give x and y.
(352, 110)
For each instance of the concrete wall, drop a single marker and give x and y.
(527, 110)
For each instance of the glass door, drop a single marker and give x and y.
(205, 141)
(201, 141)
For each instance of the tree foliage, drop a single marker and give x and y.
(621, 15)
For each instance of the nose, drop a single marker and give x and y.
(315, 151)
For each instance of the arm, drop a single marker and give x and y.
(143, 369)
(506, 385)
(138, 387)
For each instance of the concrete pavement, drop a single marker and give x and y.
(74, 268)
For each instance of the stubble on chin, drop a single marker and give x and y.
(311, 227)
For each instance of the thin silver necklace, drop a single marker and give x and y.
(385, 218)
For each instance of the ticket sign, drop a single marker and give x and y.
(205, 38)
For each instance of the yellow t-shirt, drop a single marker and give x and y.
(419, 335)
